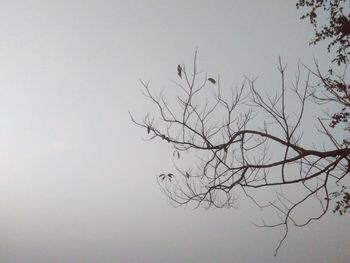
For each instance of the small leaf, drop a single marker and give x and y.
(212, 80)
(179, 70)
(187, 175)
(148, 129)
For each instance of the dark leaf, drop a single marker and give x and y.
(212, 80)
(179, 70)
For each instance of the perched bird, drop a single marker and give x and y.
(179, 70)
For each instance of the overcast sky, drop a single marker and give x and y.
(78, 182)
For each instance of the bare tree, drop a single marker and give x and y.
(251, 144)
(235, 157)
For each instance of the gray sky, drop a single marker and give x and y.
(78, 182)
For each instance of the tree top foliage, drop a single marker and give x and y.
(337, 27)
